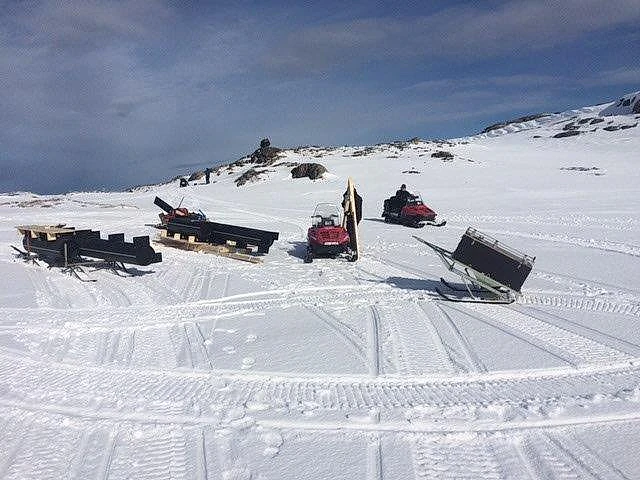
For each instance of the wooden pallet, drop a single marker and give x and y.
(51, 231)
(191, 244)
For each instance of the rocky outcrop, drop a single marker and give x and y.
(250, 176)
(196, 176)
(568, 133)
(629, 104)
(443, 154)
(310, 170)
(363, 152)
(266, 154)
(526, 118)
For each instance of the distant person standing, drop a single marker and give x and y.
(207, 175)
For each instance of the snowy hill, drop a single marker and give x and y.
(206, 367)
(627, 105)
(622, 114)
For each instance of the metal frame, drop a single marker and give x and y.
(502, 293)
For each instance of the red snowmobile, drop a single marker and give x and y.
(327, 237)
(411, 212)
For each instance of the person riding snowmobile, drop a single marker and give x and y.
(403, 195)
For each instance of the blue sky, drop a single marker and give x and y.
(107, 94)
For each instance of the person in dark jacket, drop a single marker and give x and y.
(403, 195)
(207, 175)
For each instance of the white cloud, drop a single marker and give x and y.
(465, 32)
(618, 76)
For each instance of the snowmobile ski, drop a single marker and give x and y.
(433, 223)
(496, 300)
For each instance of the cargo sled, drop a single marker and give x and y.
(71, 249)
(187, 230)
(411, 212)
(491, 272)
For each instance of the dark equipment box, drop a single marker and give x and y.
(493, 259)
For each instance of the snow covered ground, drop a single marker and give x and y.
(206, 367)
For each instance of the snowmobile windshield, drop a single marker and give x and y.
(414, 199)
(326, 215)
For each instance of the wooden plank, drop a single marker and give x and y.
(350, 213)
(222, 250)
(48, 229)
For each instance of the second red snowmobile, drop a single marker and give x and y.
(411, 212)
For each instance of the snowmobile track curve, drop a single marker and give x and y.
(474, 362)
(337, 392)
(572, 346)
(610, 341)
(604, 245)
(580, 302)
(148, 315)
(604, 223)
(543, 424)
(582, 283)
(347, 335)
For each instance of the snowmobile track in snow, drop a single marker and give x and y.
(570, 346)
(575, 302)
(472, 361)
(596, 335)
(180, 391)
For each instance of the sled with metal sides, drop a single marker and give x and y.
(490, 271)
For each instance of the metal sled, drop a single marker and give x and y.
(491, 272)
(66, 247)
(190, 224)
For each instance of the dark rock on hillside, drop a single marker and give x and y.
(196, 176)
(444, 155)
(311, 170)
(286, 164)
(596, 120)
(579, 169)
(526, 118)
(251, 175)
(570, 133)
(364, 152)
(636, 106)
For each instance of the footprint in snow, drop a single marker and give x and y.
(248, 362)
